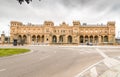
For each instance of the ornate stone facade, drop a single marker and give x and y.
(64, 34)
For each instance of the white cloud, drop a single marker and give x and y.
(89, 11)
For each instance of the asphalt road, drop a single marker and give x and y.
(53, 61)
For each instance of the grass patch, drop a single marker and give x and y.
(12, 51)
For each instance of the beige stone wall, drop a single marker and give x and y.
(63, 34)
(2, 38)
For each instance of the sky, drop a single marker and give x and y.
(86, 11)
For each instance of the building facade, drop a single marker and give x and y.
(64, 34)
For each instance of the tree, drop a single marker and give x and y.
(27, 1)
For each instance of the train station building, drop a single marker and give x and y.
(63, 34)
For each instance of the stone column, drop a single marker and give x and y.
(57, 38)
(77, 40)
(99, 39)
(114, 41)
(47, 39)
(11, 39)
(50, 39)
(109, 38)
(73, 38)
(103, 38)
(83, 39)
(28, 39)
(65, 39)
(44, 39)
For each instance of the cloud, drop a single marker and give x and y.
(77, 3)
(90, 11)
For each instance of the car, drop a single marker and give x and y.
(90, 43)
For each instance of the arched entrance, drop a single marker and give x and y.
(33, 39)
(24, 39)
(105, 38)
(42, 39)
(86, 39)
(96, 39)
(54, 39)
(81, 39)
(69, 39)
(91, 39)
(61, 39)
(38, 38)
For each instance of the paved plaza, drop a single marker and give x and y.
(62, 61)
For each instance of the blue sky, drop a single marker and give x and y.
(86, 11)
